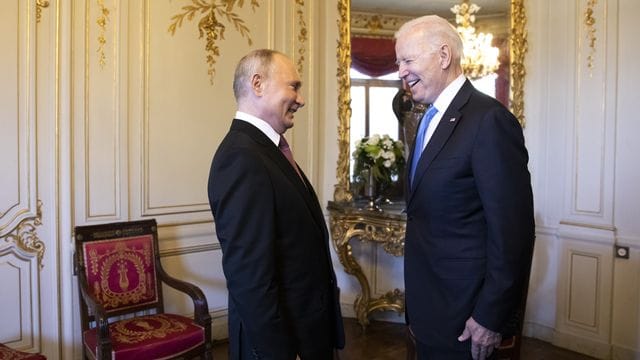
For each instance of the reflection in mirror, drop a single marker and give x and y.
(368, 82)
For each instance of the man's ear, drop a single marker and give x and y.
(445, 56)
(257, 84)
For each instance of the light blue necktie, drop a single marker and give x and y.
(419, 145)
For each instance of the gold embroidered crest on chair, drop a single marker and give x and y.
(119, 273)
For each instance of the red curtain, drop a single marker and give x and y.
(373, 56)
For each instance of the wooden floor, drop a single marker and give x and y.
(386, 341)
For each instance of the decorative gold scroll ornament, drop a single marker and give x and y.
(102, 21)
(376, 25)
(302, 34)
(40, 4)
(210, 27)
(590, 22)
(26, 238)
(518, 47)
(341, 192)
(389, 231)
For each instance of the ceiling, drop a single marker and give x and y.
(426, 7)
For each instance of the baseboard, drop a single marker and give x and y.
(582, 345)
(579, 344)
(537, 331)
(622, 353)
(219, 324)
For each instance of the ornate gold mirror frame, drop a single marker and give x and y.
(518, 48)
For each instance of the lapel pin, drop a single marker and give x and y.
(452, 119)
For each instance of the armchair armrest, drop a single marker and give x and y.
(99, 314)
(200, 305)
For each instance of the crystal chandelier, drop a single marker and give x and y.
(480, 58)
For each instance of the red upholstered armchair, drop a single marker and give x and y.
(120, 281)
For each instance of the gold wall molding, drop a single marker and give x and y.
(518, 47)
(40, 4)
(102, 21)
(590, 22)
(341, 191)
(302, 35)
(210, 27)
(25, 235)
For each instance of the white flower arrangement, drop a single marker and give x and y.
(380, 156)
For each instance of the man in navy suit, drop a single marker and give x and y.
(283, 297)
(470, 224)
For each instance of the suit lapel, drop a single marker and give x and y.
(302, 186)
(450, 119)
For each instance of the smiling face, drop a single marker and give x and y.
(420, 67)
(280, 94)
(428, 55)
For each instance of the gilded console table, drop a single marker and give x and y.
(385, 227)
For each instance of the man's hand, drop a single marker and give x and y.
(483, 340)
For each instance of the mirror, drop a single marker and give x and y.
(517, 44)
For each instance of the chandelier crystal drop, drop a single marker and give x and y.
(480, 58)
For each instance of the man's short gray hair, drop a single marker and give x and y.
(435, 31)
(256, 62)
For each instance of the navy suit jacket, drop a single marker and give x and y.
(470, 225)
(282, 287)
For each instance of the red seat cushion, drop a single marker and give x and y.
(149, 337)
(7, 353)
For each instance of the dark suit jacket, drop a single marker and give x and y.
(470, 226)
(282, 288)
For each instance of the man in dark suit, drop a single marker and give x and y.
(470, 225)
(283, 298)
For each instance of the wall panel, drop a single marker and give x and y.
(99, 129)
(18, 200)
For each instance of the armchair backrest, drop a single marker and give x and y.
(117, 265)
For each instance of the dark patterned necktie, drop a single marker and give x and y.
(286, 151)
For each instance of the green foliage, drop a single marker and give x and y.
(380, 155)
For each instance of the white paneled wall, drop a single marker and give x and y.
(581, 118)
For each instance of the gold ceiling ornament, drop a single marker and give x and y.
(209, 26)
(25, 237)
(102, 21)
(480, 57)
(376, 25)
(590, 22)
(302, 34)
(40, 4)
(341, 191)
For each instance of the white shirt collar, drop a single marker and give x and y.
(446, 96)
(260, 124)
(442, 103)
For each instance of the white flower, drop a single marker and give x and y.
(387, 163)
(374, 140)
